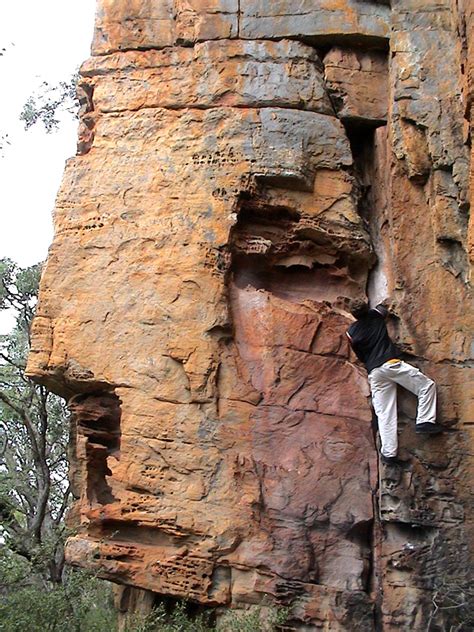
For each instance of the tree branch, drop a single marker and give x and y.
(25, 417)
(8, 360)
(64, 506)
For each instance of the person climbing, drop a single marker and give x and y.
(371, 343)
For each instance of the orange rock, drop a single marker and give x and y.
(358, 82)
(229, 196)
(228, 73)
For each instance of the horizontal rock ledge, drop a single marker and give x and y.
(224, 73)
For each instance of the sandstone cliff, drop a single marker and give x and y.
(243, 168)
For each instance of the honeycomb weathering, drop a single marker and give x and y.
(243, 169)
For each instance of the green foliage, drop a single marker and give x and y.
(160, 620)
(176, 621)
(256, 620)
(241, 622)
(14, 570)
(13, 294)
(82, 603)
(34, 491)
(45, 106)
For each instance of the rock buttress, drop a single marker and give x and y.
(231, 191)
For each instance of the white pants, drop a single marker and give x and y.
(383, 385)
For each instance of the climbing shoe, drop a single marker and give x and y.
(429, 428)
(392, 460)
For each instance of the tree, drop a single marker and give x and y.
(49, 101)
(45, 105)
(34, 492)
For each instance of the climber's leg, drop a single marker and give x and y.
(384, 399)
(422, 386)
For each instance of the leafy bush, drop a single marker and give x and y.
(81, 604)
(159, 620)
(255, 620)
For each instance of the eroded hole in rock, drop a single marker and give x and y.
(96, 419)
(292, 255)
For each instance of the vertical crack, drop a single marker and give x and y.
(239, 13)
(363, 147)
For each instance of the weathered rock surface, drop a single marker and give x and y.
(231, 73)
(133, 24)
(320, 21)
(231, 191)
(358, 84)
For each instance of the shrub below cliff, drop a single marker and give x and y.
(84, 603)
(178, 620)
(80, 604)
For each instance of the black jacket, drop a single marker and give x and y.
(370, 340)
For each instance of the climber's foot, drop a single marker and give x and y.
(392, 460)
(429, 428)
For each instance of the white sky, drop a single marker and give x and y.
(45, 40)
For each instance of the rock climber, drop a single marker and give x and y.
(371, 343)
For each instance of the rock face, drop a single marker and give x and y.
(243, 169)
